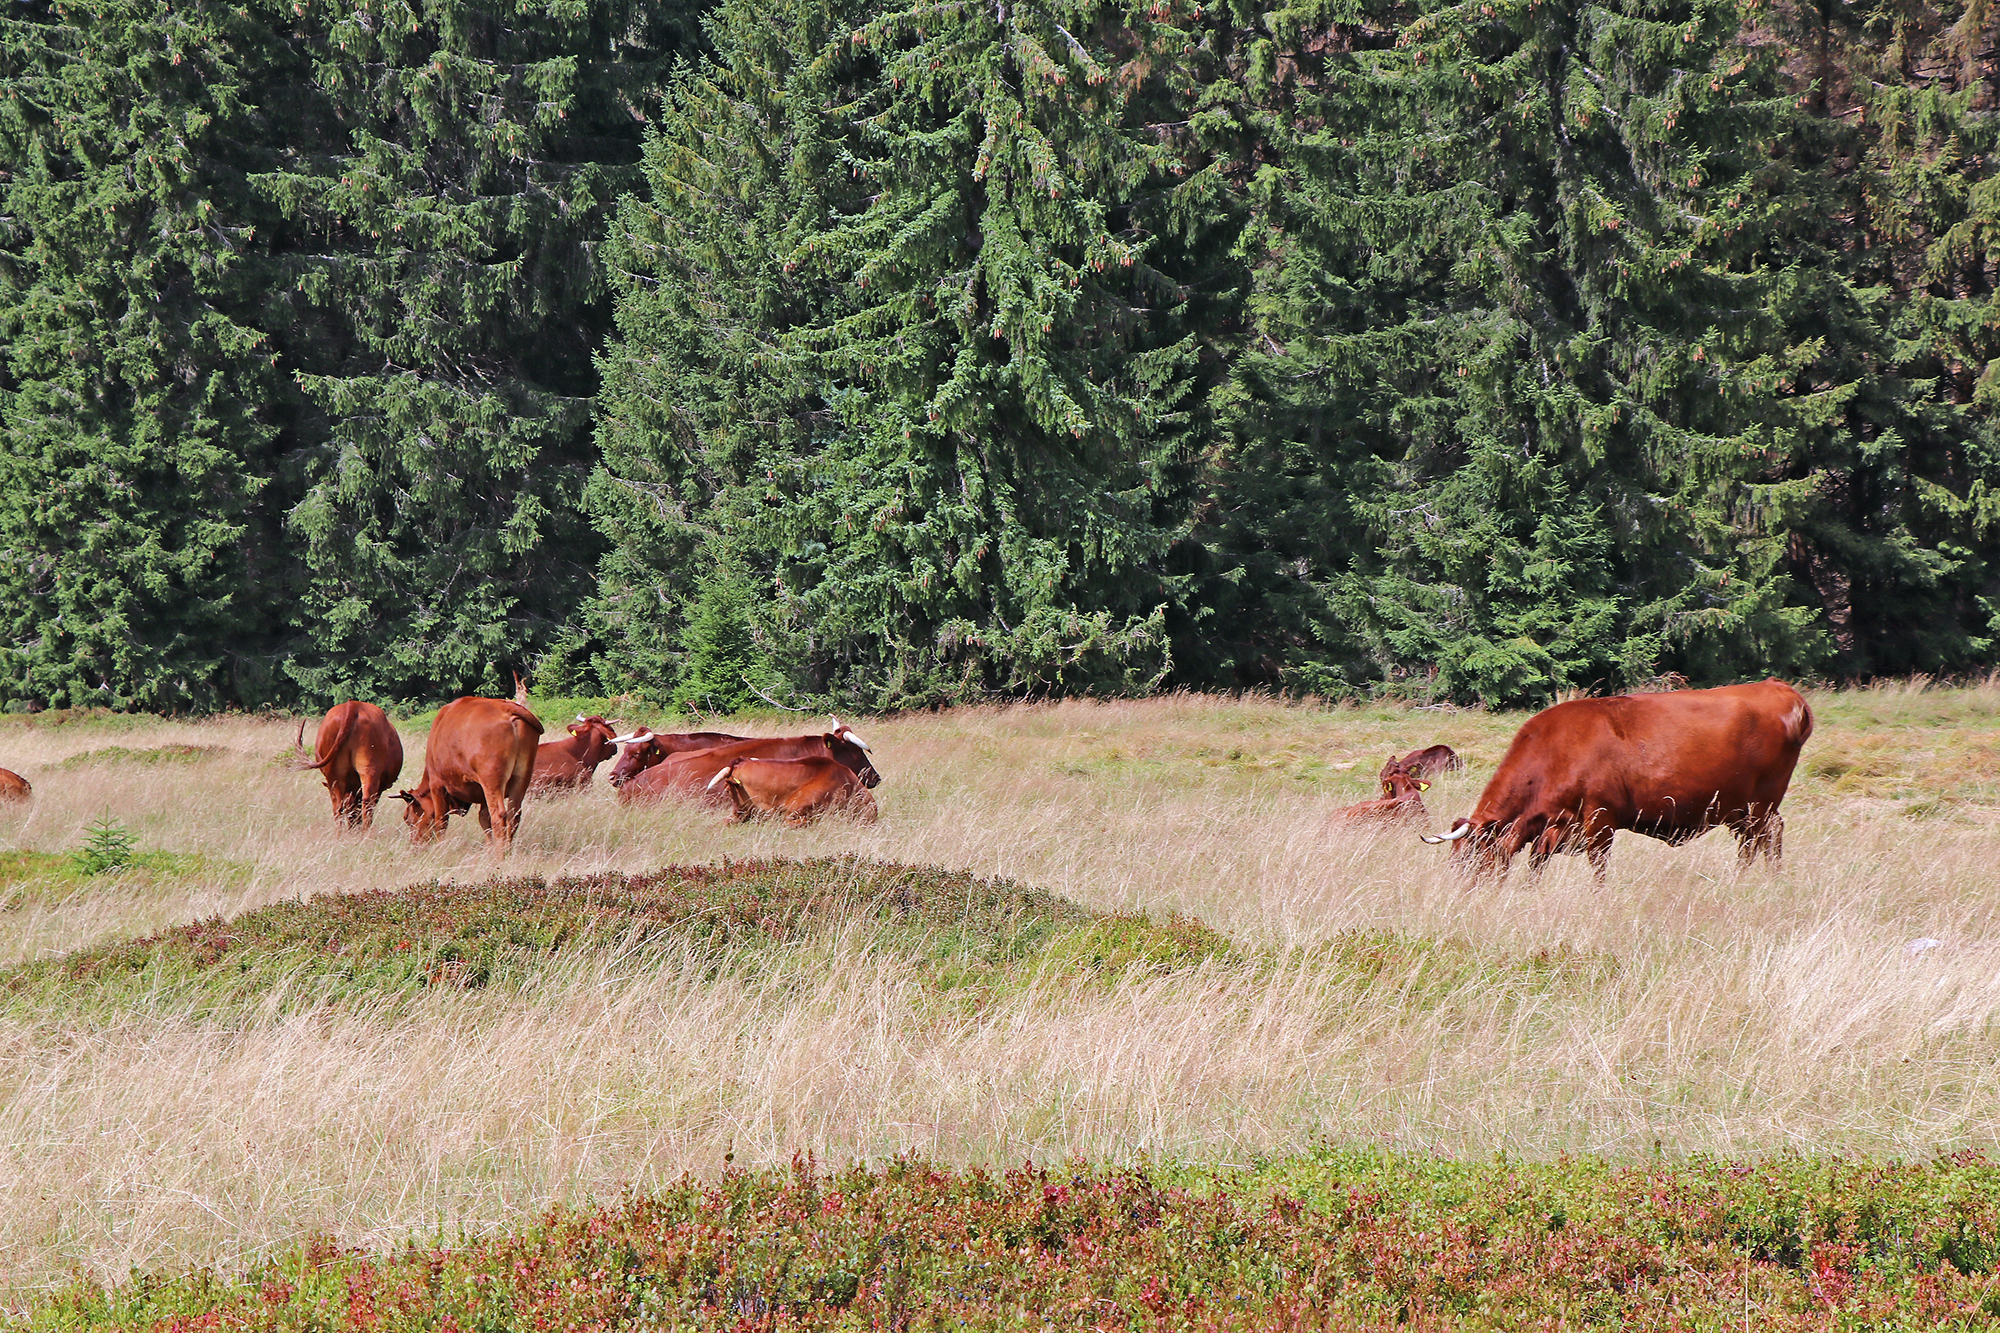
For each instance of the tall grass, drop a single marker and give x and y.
(1688, 1006)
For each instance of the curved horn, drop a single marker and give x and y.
(623, 740)
(581, 718)
(1452, 836)
(719, 777)
(851, 736)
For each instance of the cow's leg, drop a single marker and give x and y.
(347, 801)
(1542, 848)
(1762, 830)
(1597, 831)
(1598, 851)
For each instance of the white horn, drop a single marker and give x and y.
(623, 740)
(719, 777)
(581, 718)
(1452, 836)
(856, 739)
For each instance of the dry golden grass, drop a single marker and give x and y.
(1688, 1005)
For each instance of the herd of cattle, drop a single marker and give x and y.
(1671, 766)
(489, 754)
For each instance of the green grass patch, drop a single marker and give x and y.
(1329, 1239)
(962, 934)
(158, 754)
(28, 876)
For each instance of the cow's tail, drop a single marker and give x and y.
(527, 749)
(1799, 722)
(339, 739)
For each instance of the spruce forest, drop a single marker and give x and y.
(892, 353)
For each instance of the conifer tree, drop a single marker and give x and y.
(132, 440)
(904, 336)
(1558, 326)
(438, 294)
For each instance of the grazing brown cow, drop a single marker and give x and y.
(1402, 796)
(481, 752)
(798, 790)
(689, 774)
(643, 749)
(358, 755)
(571, 762)
(1427, 762)
(14, 787)
(1670, 766)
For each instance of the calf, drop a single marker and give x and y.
(798, 790)
(1402, 796)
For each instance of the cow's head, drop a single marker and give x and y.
(597, 735)
(1476, 849)
(852, 751)
(422, 814)
(1399, 783)
(637, 752)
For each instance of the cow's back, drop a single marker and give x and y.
(477, 740)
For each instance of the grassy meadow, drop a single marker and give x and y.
(1001, 969)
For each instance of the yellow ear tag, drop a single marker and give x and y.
(1423, 786)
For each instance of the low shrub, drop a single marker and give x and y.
(1336, 1239)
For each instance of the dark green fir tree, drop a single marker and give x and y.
(904, 339)
(133, 440)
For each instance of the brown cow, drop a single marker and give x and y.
(1427, 762)
(1670, 766)
(799, 790)
(481, 752)
(571, 762)
(359, 755)
(643, 749)
(1402, 796)
(14, 787)
(689, 774)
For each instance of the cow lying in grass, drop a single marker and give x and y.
(1427, 762)
(570, 761)
(691, 774)
(797, 790)
(1402, 797)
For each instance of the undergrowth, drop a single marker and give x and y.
(30, 875)
(120, 754)
(1327, 1239)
